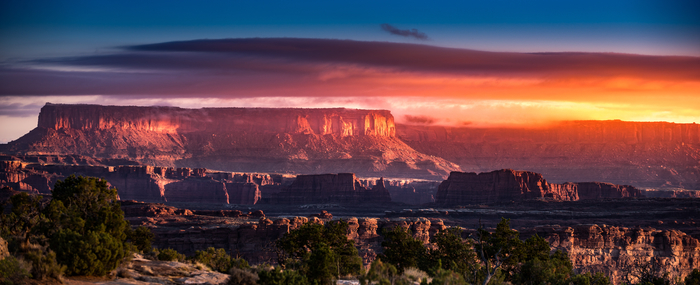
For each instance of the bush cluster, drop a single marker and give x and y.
(219, 260)
(80, 231)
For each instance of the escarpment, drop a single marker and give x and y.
(271, 140)
(509, 185)
(643, 154)
(339, 121)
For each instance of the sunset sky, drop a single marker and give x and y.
(465, 63)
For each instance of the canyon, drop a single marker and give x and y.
(593, 247)
(157, 184)
(240, 178)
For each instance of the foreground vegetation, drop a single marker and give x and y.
(82, 231)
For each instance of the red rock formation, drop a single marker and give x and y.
(596, 248)
(498, 186)
(598, 190)
(243, 193)
(13, 174)
(197, 190)
(232, 139)
(339, 121)
(137, 182)
(510, 185)
(330, 188)
(643, 154)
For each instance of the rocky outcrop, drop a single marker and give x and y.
(342, 188)
(4, 252)
(13, 174)
(407, 191)
(498, 186)
(243, 193)
(510, 185)
(268, 140)
(613, 250)
(643, 154)
(599, 190)
(140, 182)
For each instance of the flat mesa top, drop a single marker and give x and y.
(48, 104)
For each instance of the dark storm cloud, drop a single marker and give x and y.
(425, 58)
(249, 65)
(405, 33)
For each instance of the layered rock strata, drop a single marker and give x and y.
(272, 140)
(407, 191)
(342, 188)
(644, 154)
(510, 185)
(592, 248)
(138, 182)
(617, 250)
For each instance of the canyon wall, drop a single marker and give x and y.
(134, 182)
(338, 121)
(591, 247)
(510, 185)
(168, 184)
(615, 250)
(342, 188)
(643, 154)
(270, 140)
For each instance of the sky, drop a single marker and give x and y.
(456, 63)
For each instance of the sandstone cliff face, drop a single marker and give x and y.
(611, 250)
(305, 141)
(138, 182)
(510, 185)
(339, 121)
(643, 154)
(331, 188)
(498, 186)
(598, 190)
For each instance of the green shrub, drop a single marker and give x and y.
(44, 264)
(141, 238)
(219, 260)
(590, 279)
(320, 252)
(384, 273)
(242, 277)
(278, 276)
(401, 249)
(86, 226)
(14, 270)
(693, 278)
(169, 254)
